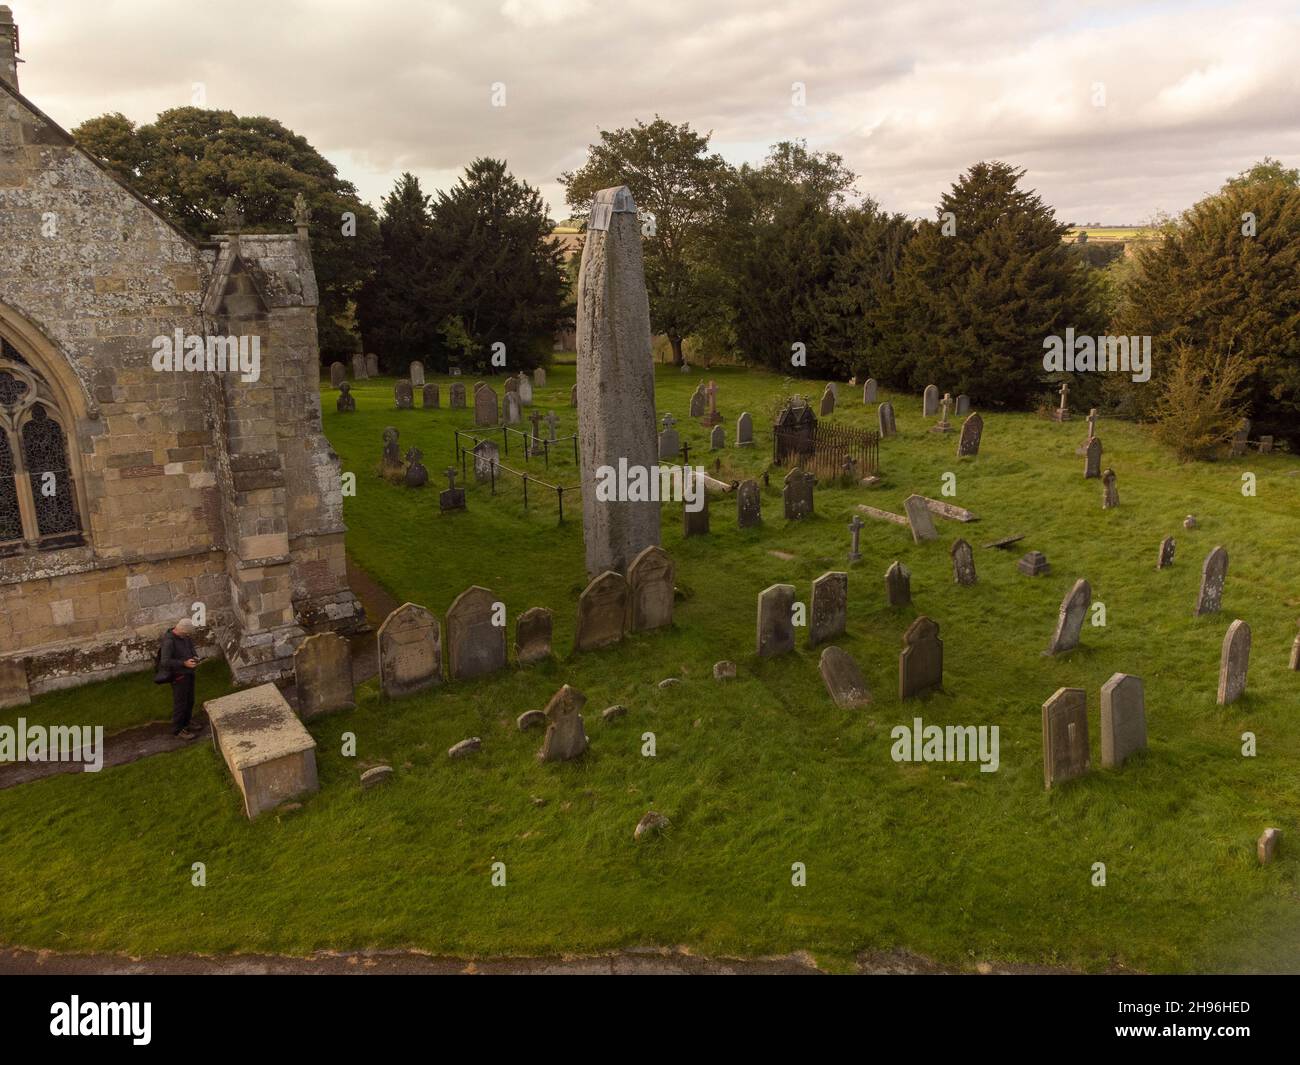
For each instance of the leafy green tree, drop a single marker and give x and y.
(979, 289)
(675, 183)
(190, 161)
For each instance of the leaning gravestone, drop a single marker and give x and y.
(417, 374)
(972, 429)
(869, 391)
(797, 494)
(1069, 622)
(1065, 736)
(745, 430)
(533, 636)
(372, 365)
(775, 630)
(338, 374)
(429, 397)
(888, 427)
(511, 408)
(1213, 575)
(1166, 555)
(843, 679)
(476, 645)
(650, 583)
(322, 670)
(347, 402)
(487, 454)
(485, 406)
(963, 564)
(361, 368)
(1092, 458)
(616, 380)
(930, 401)
(830, 605)
(458, 396)
(565, 737)
(1123, 719)
(410, 651)
(898, 585)
(828, 402)
(920, 519)
(749, 505)
(402, 395)
(602, 612)
(1234, 662)
(1109, 490)
(920, 664)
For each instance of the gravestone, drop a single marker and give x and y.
(963, 405)
(1123, 719)
(920, 519)
(392, 458)
(485, 406)
(717, 438)
(322, 670)
(533, 636)
(573, 396)
(602, 612)
(511, 385)
(416, 475)
(775, 630)
(869, 391)
(650, 585)
(797, 494)
(1066, 754)
(920, 665)
(1295, 654)
(749, 504)
(699, 401)
(855, 538)
(1092, 458)
(486, 456)
(1034, 564)
(451, 498)
(888, 427)
(372, 365)
(696, 522)
(539, 378)
(361, 369)
(1165, 557)
(930, 401)
(347, 402)
(843, 679)
(476, 646)
(1214, 572)
(552, 422)
(417, 374)
(828, 402)
(972, 430)
(830, 607)
(429, 397)
(410, 651)
(510, 407)
(402, 396)
(898, 585)
(834, 389)
(963, 564)
(525, 390)
(1233, 662)
(565, 738)
(458, 397)
(669, 443)
(1070, 618)
(1109, 490)
(338, 374)
(267, 749)
(745, 430)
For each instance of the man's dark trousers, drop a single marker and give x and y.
(182, 702)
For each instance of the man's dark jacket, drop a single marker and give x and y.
(176, 650)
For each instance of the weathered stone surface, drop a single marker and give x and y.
(1165, 557)
(539, 378)
(530, 719)
(458, 396)
(797, 494)
(410, 651)
(699, 401)
(869, 390)
(695, 522)
(827, 403)
(775, 633)
(511, 385)
(533, 635)
(1266, 846)
(972, 431)
(920, 519)
(487, 455)
(1214, 572)
(14, 689)
(717, 438)
(416, 475)
(525, 390)
(898, 585)
(429, 397)
(1234, 662)
(888, 426)
(372, 364)
(749, 505)
(670, 682)
(1070, 618)
(1092, 458)
(1066, 753)
(322, 669)
(476, 646)
(417, 374)
(843, 679)
(650, 583)
(963, 563)
(963, 407)
(361, 368)
(485, 406)
(616, 407)
(613, 713)
(338, 374)
(402, 395)
(269, 752)
(602, 612)
(724, 670)
(651, 824)
(830, 607)
(930, 401)
(669, 444)
(745, 430)
(346, 402)
(464, 747)
(376, 775)
(1034, 564)
(573, 396)
(1123, 719)
(920, 664)
(1295, 658)
(565, 739)
(1109, 490)
(510, 409)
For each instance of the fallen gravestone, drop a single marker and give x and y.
(1123, 719)
(775, 630)
(1065, 736)
(410, 651)
(464, 748)
(843, 679)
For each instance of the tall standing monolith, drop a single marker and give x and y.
(616, 386)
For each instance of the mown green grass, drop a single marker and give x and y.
(757, 773)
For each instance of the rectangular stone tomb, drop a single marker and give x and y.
(269, 752)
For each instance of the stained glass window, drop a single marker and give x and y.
(11, 520)
(46, 455)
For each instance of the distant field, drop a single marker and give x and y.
(1112, 233)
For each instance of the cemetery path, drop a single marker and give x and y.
(129, 745)
(379, 603)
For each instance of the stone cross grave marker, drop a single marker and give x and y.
(855, 537)
(452, 498)
(1109, 490)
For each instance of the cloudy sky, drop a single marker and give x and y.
(1118, 110)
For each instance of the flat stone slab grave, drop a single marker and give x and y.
(269, 752)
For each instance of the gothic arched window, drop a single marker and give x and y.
(38, 499)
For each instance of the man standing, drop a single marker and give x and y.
(178, 658)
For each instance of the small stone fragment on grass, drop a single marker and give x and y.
(613, 713)
(288, 807)
(652, 822)
(1266, 848)
(376, 775)
(1189, 522)
(669, 682)
(465, 747)
(724, 670)
(530, 719)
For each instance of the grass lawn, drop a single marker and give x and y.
(756, 773)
